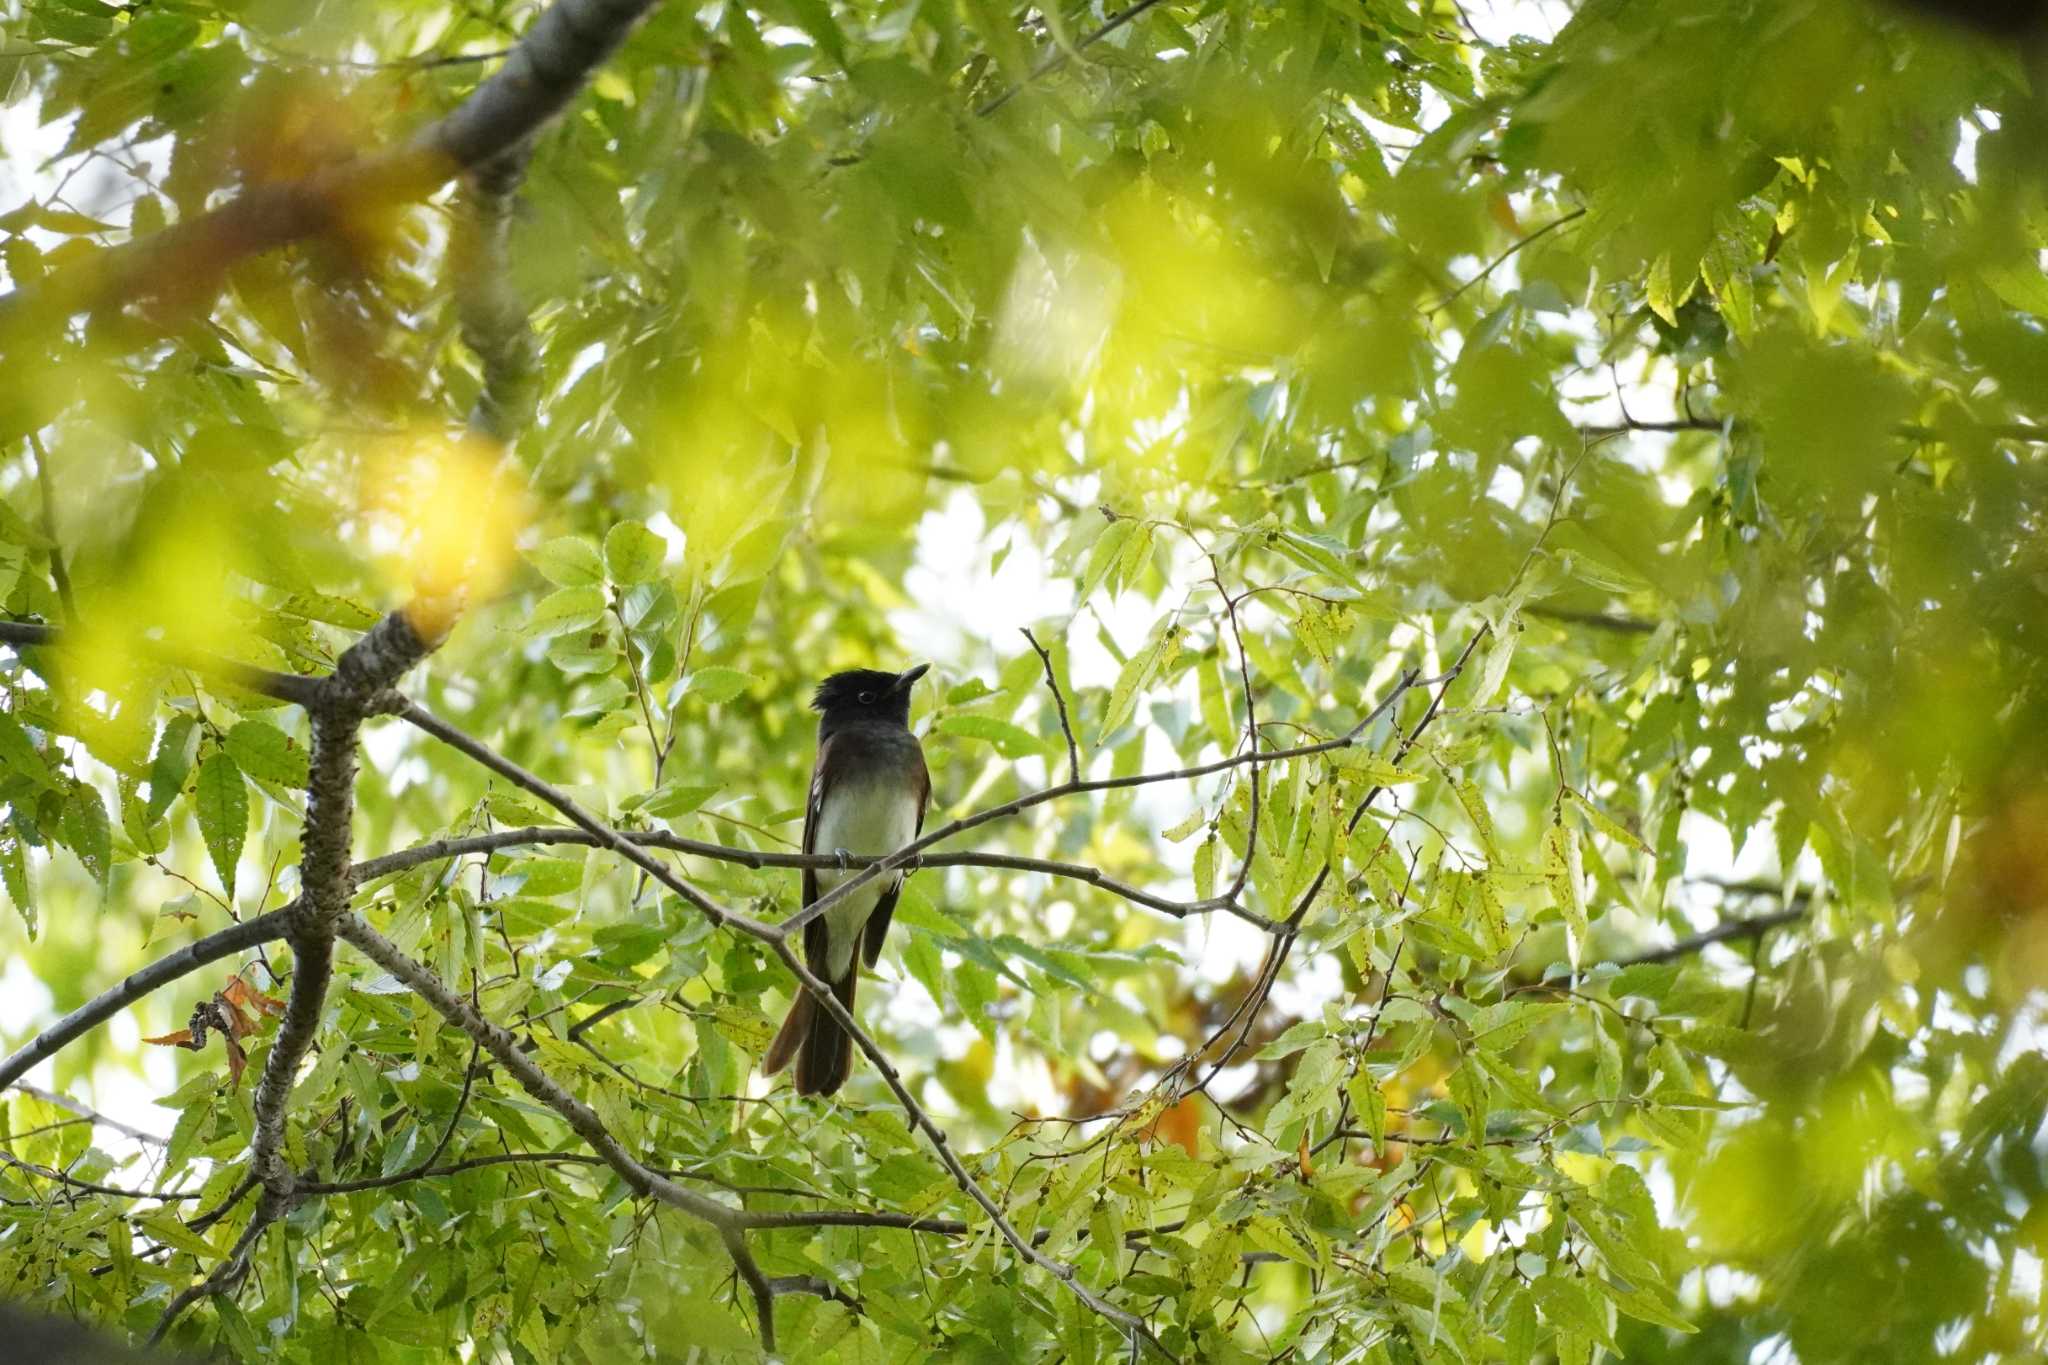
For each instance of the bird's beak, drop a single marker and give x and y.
(905, 679)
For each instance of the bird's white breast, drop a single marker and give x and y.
(876, 817)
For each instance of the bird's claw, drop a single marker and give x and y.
(845, 857)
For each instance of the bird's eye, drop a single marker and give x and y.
(867, 699)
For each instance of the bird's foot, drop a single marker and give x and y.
(845, 857)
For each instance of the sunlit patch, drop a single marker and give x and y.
(443, 516)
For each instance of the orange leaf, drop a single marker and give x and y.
(240, 992)
(182, 1038)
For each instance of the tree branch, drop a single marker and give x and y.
(1754, 926)
(65, 1102)
(494, 317)
(223, 943)
(1059, 700)
(1133, 1327)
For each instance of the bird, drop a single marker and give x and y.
(869, 788)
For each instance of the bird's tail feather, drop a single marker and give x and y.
(822, 1049)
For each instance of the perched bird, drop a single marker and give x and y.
(868, 793)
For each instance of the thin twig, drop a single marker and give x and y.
(1059, 700)
(1494, 264)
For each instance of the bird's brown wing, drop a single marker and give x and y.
(815, 931)
(878, 923)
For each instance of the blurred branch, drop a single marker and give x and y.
(73, 1182)
(545, 69)
(1754, 926)
(1054, 60)
(1500, 260)
(1905, 431)
(59, 576)
(283, 686)
(494, 317)
(1597, 620)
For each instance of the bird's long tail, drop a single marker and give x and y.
(823, 1050)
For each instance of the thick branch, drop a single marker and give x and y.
(494, 317)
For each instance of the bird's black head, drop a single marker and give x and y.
(865, 694)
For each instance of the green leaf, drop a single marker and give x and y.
(718, 685)
(633, 553)
(1010, 741)
(19, 755)
(1137, 673)
(88, 832)
(1474, 802)
(222, 802)
(267, 753)
(14, 880)
(1563, 870)
(175, 749)
(1371, 768)
(1608, 825)
(559, 613)
(569, 562)
(672, 799)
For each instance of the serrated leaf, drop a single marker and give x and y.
(1608, 825)
(14, 879)
(1011, 741)
(1370, 767)
(1137, 673)
(87, 831)
(221, 800)
(1562, 871)
(675, 798)
(1205, 868)
(717, 684)
(172, 763)
(560, 613)
(633, 554)
(1185, 828)
(263, 751)
(1495, 670)
(1474, 803)
(569, 562)
(18, 755)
